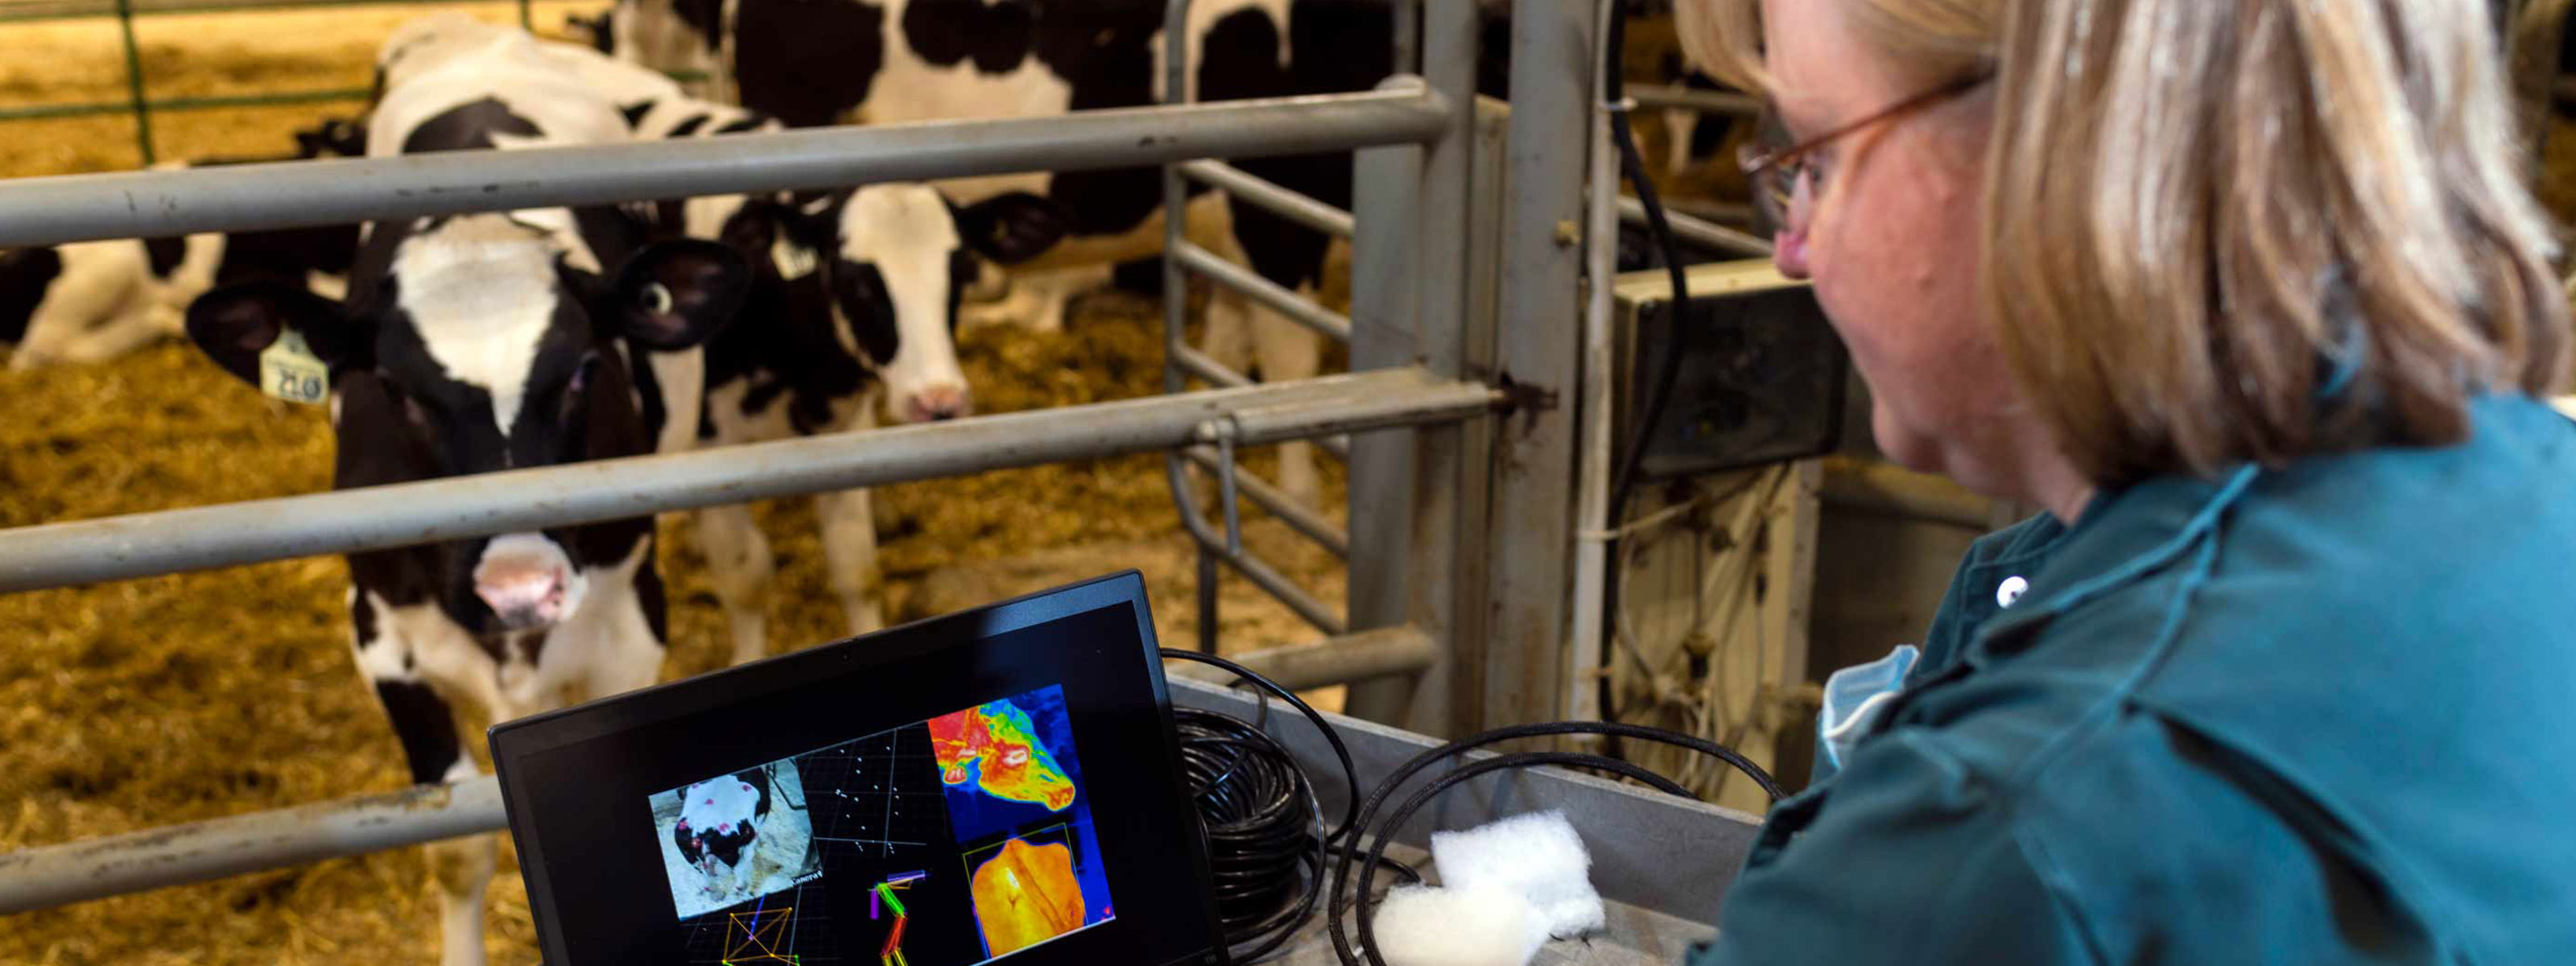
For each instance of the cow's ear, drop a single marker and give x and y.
(677, 294)
(1011, 228)
(235, 323)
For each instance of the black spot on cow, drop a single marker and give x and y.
(1710, 133)
(792, 351)
(602, 29)
(807, 61)
(426, 726)
(704, 16)
(654, 599)
(287, 254)
(690, 126)
(944, 32)
(1242, 60)
(635, 112)
(746, 124)
(1105, 52)
(468, 127)
(362, 619)
(164, 254)
(25, 274)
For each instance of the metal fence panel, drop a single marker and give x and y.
(149, 204)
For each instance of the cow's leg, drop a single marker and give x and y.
(1680, 129)
(1289, 351)
(849, 526)
(140, 323)
(463, 868)
(1282, 349)
(741, 567)
(427, 727)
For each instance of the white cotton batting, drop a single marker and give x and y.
(1536, 856)
(1425, 926)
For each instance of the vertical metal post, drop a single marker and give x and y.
(1176, 304)
(527, 21)
(1553, 48)
(1385, 314)
(1408, 36)
(134, 82)
(1471, 557)
(1408, 305)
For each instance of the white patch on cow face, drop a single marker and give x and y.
(720, 806)
(481, 290)
(908, 233)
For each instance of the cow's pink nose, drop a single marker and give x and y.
(524, 594)
(938, 403)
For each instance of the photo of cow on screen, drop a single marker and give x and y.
(734, 838)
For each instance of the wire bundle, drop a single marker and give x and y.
(1262, 820)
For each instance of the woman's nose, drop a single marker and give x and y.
(1789, 252)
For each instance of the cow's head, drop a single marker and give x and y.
(467, 346)
(901, 256)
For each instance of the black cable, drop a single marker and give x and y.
(1267, 845)
(1623, 480)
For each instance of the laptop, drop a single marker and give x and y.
(997, 784)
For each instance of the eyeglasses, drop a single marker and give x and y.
(1777, 174)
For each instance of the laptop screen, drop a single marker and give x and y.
(959, 839)
(1001, 784)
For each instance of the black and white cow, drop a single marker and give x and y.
(719, 828)
(94, 301)
(849, 318)
(812, 62)
(474, 343)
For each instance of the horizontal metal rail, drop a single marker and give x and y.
(171, 541)
(95, 108)
(1706, 234)
(1286, 203)
(1201, 365)
(1298, 516)
(146, 204)
(1728, 213)
(1297, 308)
(1706, 102)
(54, 875)
(1206, 367)
(1352, 657)
(28, 12)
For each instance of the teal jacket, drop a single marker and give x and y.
(2322, 714)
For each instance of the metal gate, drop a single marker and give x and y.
(1462, 341)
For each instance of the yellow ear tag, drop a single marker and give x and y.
(289, 371)
(794, 261)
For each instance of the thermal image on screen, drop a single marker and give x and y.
(946, 842)
(996, 748)
(1025, 895)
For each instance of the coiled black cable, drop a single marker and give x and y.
(1267, 842)
(1265, 826)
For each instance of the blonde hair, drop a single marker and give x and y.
(2248, 230)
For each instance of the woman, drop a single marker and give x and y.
(2245, 293)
